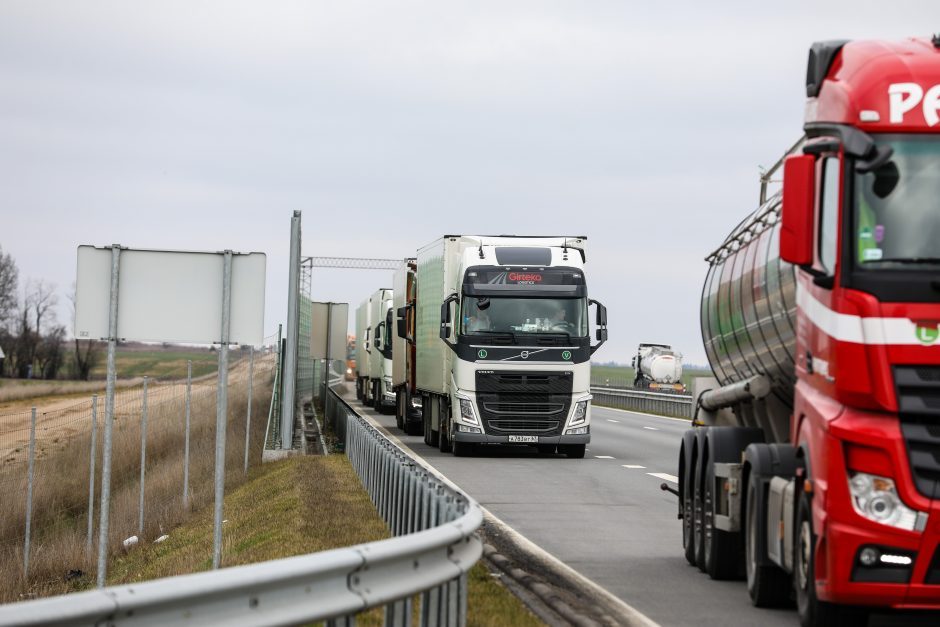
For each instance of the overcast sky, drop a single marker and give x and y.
(203, 125)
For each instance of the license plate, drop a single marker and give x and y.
(524, 438)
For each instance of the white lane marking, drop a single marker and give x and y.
(604, 456)
(632, 466)
(609, 420)
(687, 421)
(651, 428)
(662, 475)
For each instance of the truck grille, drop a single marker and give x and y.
(529, 426)
(524, 402)
(524, 408)
(918, 389)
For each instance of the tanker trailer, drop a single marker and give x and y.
(658, 368)
(814, 462)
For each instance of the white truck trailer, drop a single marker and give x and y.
(407, 402)
(380, 394)
(502, 342)
(363, 345)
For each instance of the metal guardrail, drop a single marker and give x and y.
(434, 548)
(677, 405)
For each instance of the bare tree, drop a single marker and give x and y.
(50, 353)
(42, 299)
(9, 277)
(87, 352)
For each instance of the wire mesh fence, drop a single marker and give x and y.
(48, 522)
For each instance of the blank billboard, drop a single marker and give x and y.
(339, 321)
(170, 296)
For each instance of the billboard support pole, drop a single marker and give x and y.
(329, 337)
(289, 372)
(222, 410)
(108, 419)
(251, 371)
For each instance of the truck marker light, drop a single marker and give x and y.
(808, 486)
(903, 560)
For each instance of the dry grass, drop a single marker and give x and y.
(61, 488)
(296, 506)
(18, 390)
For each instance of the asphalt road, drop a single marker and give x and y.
(605, 515)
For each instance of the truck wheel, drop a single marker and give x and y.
(687, 476)
(698, 510)
(399, 410)
(768, 586)
(444, 433)
(573, 451)
(358, 389)
(722, 550)
(426, 420)
(812, 611)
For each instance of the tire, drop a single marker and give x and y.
(399, 410)
(722, 548)
(546, 449)
(767, 585)
(358, 389)
(687, 474)
(812, 611)
(698, 511)
(573, 451)
(443, 439)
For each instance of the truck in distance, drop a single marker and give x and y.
(814, 468)
(407, 401)
(658, 368)
(363, 344)
(502, 344)
(380, 357)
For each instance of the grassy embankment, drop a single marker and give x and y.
(297, 506)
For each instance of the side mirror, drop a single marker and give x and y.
(601, 321)
(402, 331)
(446, 318)
(799, 192)
(378, 334)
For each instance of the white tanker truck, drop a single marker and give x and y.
(658, 368)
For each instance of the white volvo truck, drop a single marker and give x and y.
(381, 395)
(502, 342)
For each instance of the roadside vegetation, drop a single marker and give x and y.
(293, 507)
(58, 560)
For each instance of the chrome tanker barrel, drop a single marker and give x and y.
(749, 305)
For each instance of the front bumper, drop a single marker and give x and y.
(840, 575)
(486, 438)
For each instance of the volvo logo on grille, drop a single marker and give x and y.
(524, 354)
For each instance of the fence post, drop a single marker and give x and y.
(189, 393)
(251, 370)
(29, 492)
(143, 460)
(91, 474)
(221, 415)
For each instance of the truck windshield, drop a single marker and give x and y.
(897, 212)
(483, 314)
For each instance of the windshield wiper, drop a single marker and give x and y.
(905, 260)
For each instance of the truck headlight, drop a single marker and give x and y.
(466, 411)
(876, 498)
(580, 413)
